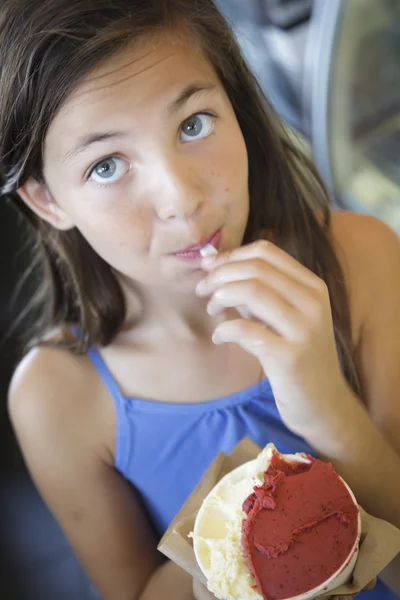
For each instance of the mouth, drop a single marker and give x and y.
(194, 252)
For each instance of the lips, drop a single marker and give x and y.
(214, 239)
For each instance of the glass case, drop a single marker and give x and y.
(360, 125)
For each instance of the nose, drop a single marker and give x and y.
(177, 195)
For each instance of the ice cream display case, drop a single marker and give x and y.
(331, 69)
(352, 102)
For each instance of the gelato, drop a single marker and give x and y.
(277, 527)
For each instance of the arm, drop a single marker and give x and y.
(371, 438)
(293, 338)
(59, 427)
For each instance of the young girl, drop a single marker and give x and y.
(133, 135)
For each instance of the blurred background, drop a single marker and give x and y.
(331, 68)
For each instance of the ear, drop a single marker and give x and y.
(38, 198)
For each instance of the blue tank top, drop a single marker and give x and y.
(164, 448)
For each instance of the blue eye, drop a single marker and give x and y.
(109, 171)
(197, 127)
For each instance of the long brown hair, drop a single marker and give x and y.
(47, 47)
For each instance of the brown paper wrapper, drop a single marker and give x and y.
(379, 544)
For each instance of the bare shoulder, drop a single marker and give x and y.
(363, 237)
(61, 416)
(53, 387)
(45, 369)
(369, 251)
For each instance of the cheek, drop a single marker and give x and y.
(114, 229)
(230, 161)
(229, 173)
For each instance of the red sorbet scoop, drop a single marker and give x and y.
(300, 528)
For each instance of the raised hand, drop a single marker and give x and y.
(291, 332)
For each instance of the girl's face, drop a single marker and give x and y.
(147, 159)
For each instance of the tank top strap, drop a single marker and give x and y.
(123, 441)
(106, 376)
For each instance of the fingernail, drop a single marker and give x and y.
(216, 338)
(213, 308)
(244, 312)
(201, 287)
(226, 332)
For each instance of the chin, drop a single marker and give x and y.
(188, 283)
(184, 283)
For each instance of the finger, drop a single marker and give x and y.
(370, 586)
(244, 312)
(263, 303)
(268, 252)
(294, 292)
(252, 337)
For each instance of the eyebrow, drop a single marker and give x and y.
(94, 138)
(90, 139)
(188, 93)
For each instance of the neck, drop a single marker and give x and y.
(167, 313)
